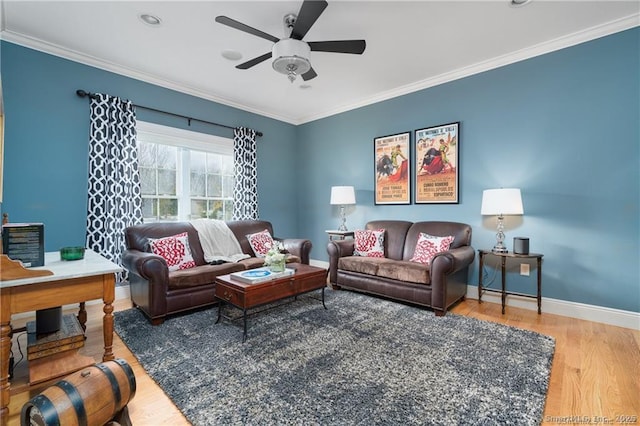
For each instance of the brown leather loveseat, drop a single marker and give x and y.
(157, 292)
(438, 285)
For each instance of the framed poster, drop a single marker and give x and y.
(392, 169)
(437, 151)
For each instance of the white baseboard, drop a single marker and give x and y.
(617, 317)
(582, 311)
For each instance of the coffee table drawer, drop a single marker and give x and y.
(230, 295)
(311, 283)
(271, 293)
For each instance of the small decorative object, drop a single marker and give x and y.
(72, 253)
(437, 157)
(501, 202)
(275, 258)
(343, 196)
(521, 245)
(392, 169)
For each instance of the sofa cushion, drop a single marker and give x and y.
(386, 268)
(428, 246)
(201, 275)
(252, 262)
(175, 250)
(258, 262)
(369, 243)
(363, 265)
(260, 242)
(405, 271)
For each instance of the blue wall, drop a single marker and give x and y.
(563, 127)
(47, 130)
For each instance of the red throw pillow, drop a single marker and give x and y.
(175, 250)
(369, 243)
(260, 242)
(428, 246)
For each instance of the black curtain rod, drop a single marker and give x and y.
(84, 94)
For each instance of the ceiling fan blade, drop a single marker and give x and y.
(309, 75)
(224, 20)
(339, 46)
(309, 13)
(254, 61)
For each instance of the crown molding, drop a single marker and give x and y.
(75, 56)
(497, 62)
(521, 55)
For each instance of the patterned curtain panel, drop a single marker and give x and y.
(115, 199)
(245, 191)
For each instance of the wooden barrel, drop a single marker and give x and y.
(92, 396)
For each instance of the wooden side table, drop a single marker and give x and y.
(503, 291)
(71, 282)
(334, 234)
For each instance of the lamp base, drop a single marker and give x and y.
(343, 226)
(500, 247)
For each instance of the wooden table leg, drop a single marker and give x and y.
(5, 350)
(109, 295)
(82, 316)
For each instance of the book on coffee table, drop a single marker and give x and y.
(258, 275)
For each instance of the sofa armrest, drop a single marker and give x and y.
(337, 249)
(149, 266)
(297, 246)
(449, 272)
(451, 261)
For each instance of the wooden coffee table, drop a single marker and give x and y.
(247, 296)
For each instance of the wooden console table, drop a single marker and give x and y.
(71, 282)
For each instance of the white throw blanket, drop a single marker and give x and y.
(218, 241)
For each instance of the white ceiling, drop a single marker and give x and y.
(410, 45)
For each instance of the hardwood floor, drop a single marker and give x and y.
(595, 372)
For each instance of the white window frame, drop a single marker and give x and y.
(165, 135)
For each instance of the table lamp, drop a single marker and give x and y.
(501, 202)
(343, 196)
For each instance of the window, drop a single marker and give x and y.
(184, 175)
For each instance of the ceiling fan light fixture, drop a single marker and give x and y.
(290, 57)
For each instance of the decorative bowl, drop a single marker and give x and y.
(72, 253)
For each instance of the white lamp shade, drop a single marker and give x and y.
(503, 201)
(343, 195)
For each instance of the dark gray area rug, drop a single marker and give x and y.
(362, 361)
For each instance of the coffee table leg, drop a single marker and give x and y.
(220, 305)
(244, 315)
(325, 306)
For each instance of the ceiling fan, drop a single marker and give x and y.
(291, 54)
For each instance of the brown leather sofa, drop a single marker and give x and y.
(157, 292)
(437, 286)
